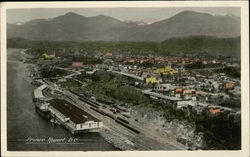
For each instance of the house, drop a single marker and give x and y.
(77, 64)
(229, 85)
(185, 103)
(165, 71)
(47, 56)
(189, 91)
(179, 90)
(214, 110)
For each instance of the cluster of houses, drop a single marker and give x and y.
(192, 89)
(160, 60)
(195, 89)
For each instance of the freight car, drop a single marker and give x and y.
(123, 120)
(127, 126)
(127, 116)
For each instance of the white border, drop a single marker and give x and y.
(111, 4)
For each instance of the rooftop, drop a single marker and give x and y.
(75, 114)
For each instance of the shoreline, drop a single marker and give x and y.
(21, 72)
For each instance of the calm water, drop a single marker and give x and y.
(24, 123)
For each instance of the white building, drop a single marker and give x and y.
(73, 117)
(164, 87)
(185, 103)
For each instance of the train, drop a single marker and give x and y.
(127, 126)
(103, 113)
(89, 102)
(95, 106)
(123, 120)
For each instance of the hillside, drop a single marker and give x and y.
(74, 27)
(194, 45)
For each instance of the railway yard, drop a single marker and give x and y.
(128, 133)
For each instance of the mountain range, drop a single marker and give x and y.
(74, 27)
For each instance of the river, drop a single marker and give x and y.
(23, 123)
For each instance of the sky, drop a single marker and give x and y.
(148, 15)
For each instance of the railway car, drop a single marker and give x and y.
(123, 120)
(127, 126)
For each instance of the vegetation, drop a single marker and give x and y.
(230, 71)
(116, 87)
(196, 65)
(52, 72)
(197, 45)
(232, 103)
(70, 84)
(204, 45)
(221, 131)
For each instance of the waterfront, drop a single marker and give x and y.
(24, 123)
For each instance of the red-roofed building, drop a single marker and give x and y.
(214, 110)
(77, 64)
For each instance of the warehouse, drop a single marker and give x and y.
(73, 117)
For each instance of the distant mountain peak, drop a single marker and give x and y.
(188, 12)
(104, 18)
(101, 16)
(71, 15)
(194, 13)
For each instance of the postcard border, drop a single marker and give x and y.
(110, 4)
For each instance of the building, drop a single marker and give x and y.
(214, 110)
(189, 91)
(178, 90)
(151, 80)
(48, 56)
(229, 85)
(164, 87)
(72, 117)
(165, 71)
(77, 64)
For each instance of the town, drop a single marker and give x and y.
(88, 92)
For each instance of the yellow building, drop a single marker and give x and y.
(151, 80)
(165, 71)
(48, 56)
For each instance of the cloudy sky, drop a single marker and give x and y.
(148, 15)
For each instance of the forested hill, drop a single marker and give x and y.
(194, 45)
